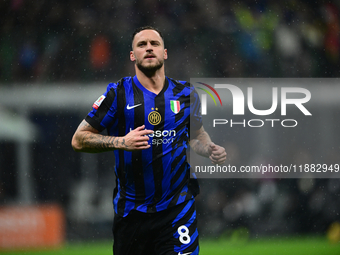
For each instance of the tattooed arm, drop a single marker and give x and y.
(87, 139)
(202, 145)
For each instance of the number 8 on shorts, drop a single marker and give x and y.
(183, 232)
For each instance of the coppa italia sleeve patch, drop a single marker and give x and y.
(98, 102)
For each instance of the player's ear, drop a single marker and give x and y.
(165, 54)
(132, 56)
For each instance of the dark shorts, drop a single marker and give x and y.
(171, 232)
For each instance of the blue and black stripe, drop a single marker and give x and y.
(157, 178)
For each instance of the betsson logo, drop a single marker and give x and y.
(162, 137)
(238, 105)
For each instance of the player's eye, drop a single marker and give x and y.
(155, 43)
(140, 44)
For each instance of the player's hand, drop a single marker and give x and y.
(136, 139)
(217, 154)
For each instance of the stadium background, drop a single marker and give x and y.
(80, 46)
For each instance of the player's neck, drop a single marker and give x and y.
(153, 82)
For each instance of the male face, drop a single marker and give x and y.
(148, 51)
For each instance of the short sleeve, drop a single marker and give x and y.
(104, 112)
(195, 111)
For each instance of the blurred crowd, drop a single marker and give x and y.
(45, 42)
(86, 41)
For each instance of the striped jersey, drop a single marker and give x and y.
(156, 178)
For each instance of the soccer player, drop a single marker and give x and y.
(147, 118)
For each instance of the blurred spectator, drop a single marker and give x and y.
(99, 52)
(42, 41)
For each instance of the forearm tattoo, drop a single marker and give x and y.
(201, 144)
(94, 142)
(98, 143)
(123, 143)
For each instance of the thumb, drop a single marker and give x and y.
(212, 146)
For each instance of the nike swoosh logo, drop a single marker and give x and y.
(184, 253)
(132, 106)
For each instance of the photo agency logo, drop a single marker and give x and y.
(268, 126)
(243, 103)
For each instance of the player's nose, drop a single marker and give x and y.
(148, 46)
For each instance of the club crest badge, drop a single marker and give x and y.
(154, 117)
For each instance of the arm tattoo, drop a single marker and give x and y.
(123, 143)
(99, 143)
(89, 139)
(92, 142)
(201, 144)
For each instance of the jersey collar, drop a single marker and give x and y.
(148, 92)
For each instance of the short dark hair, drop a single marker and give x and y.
(146, 28)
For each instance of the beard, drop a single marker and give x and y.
(150, 68)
